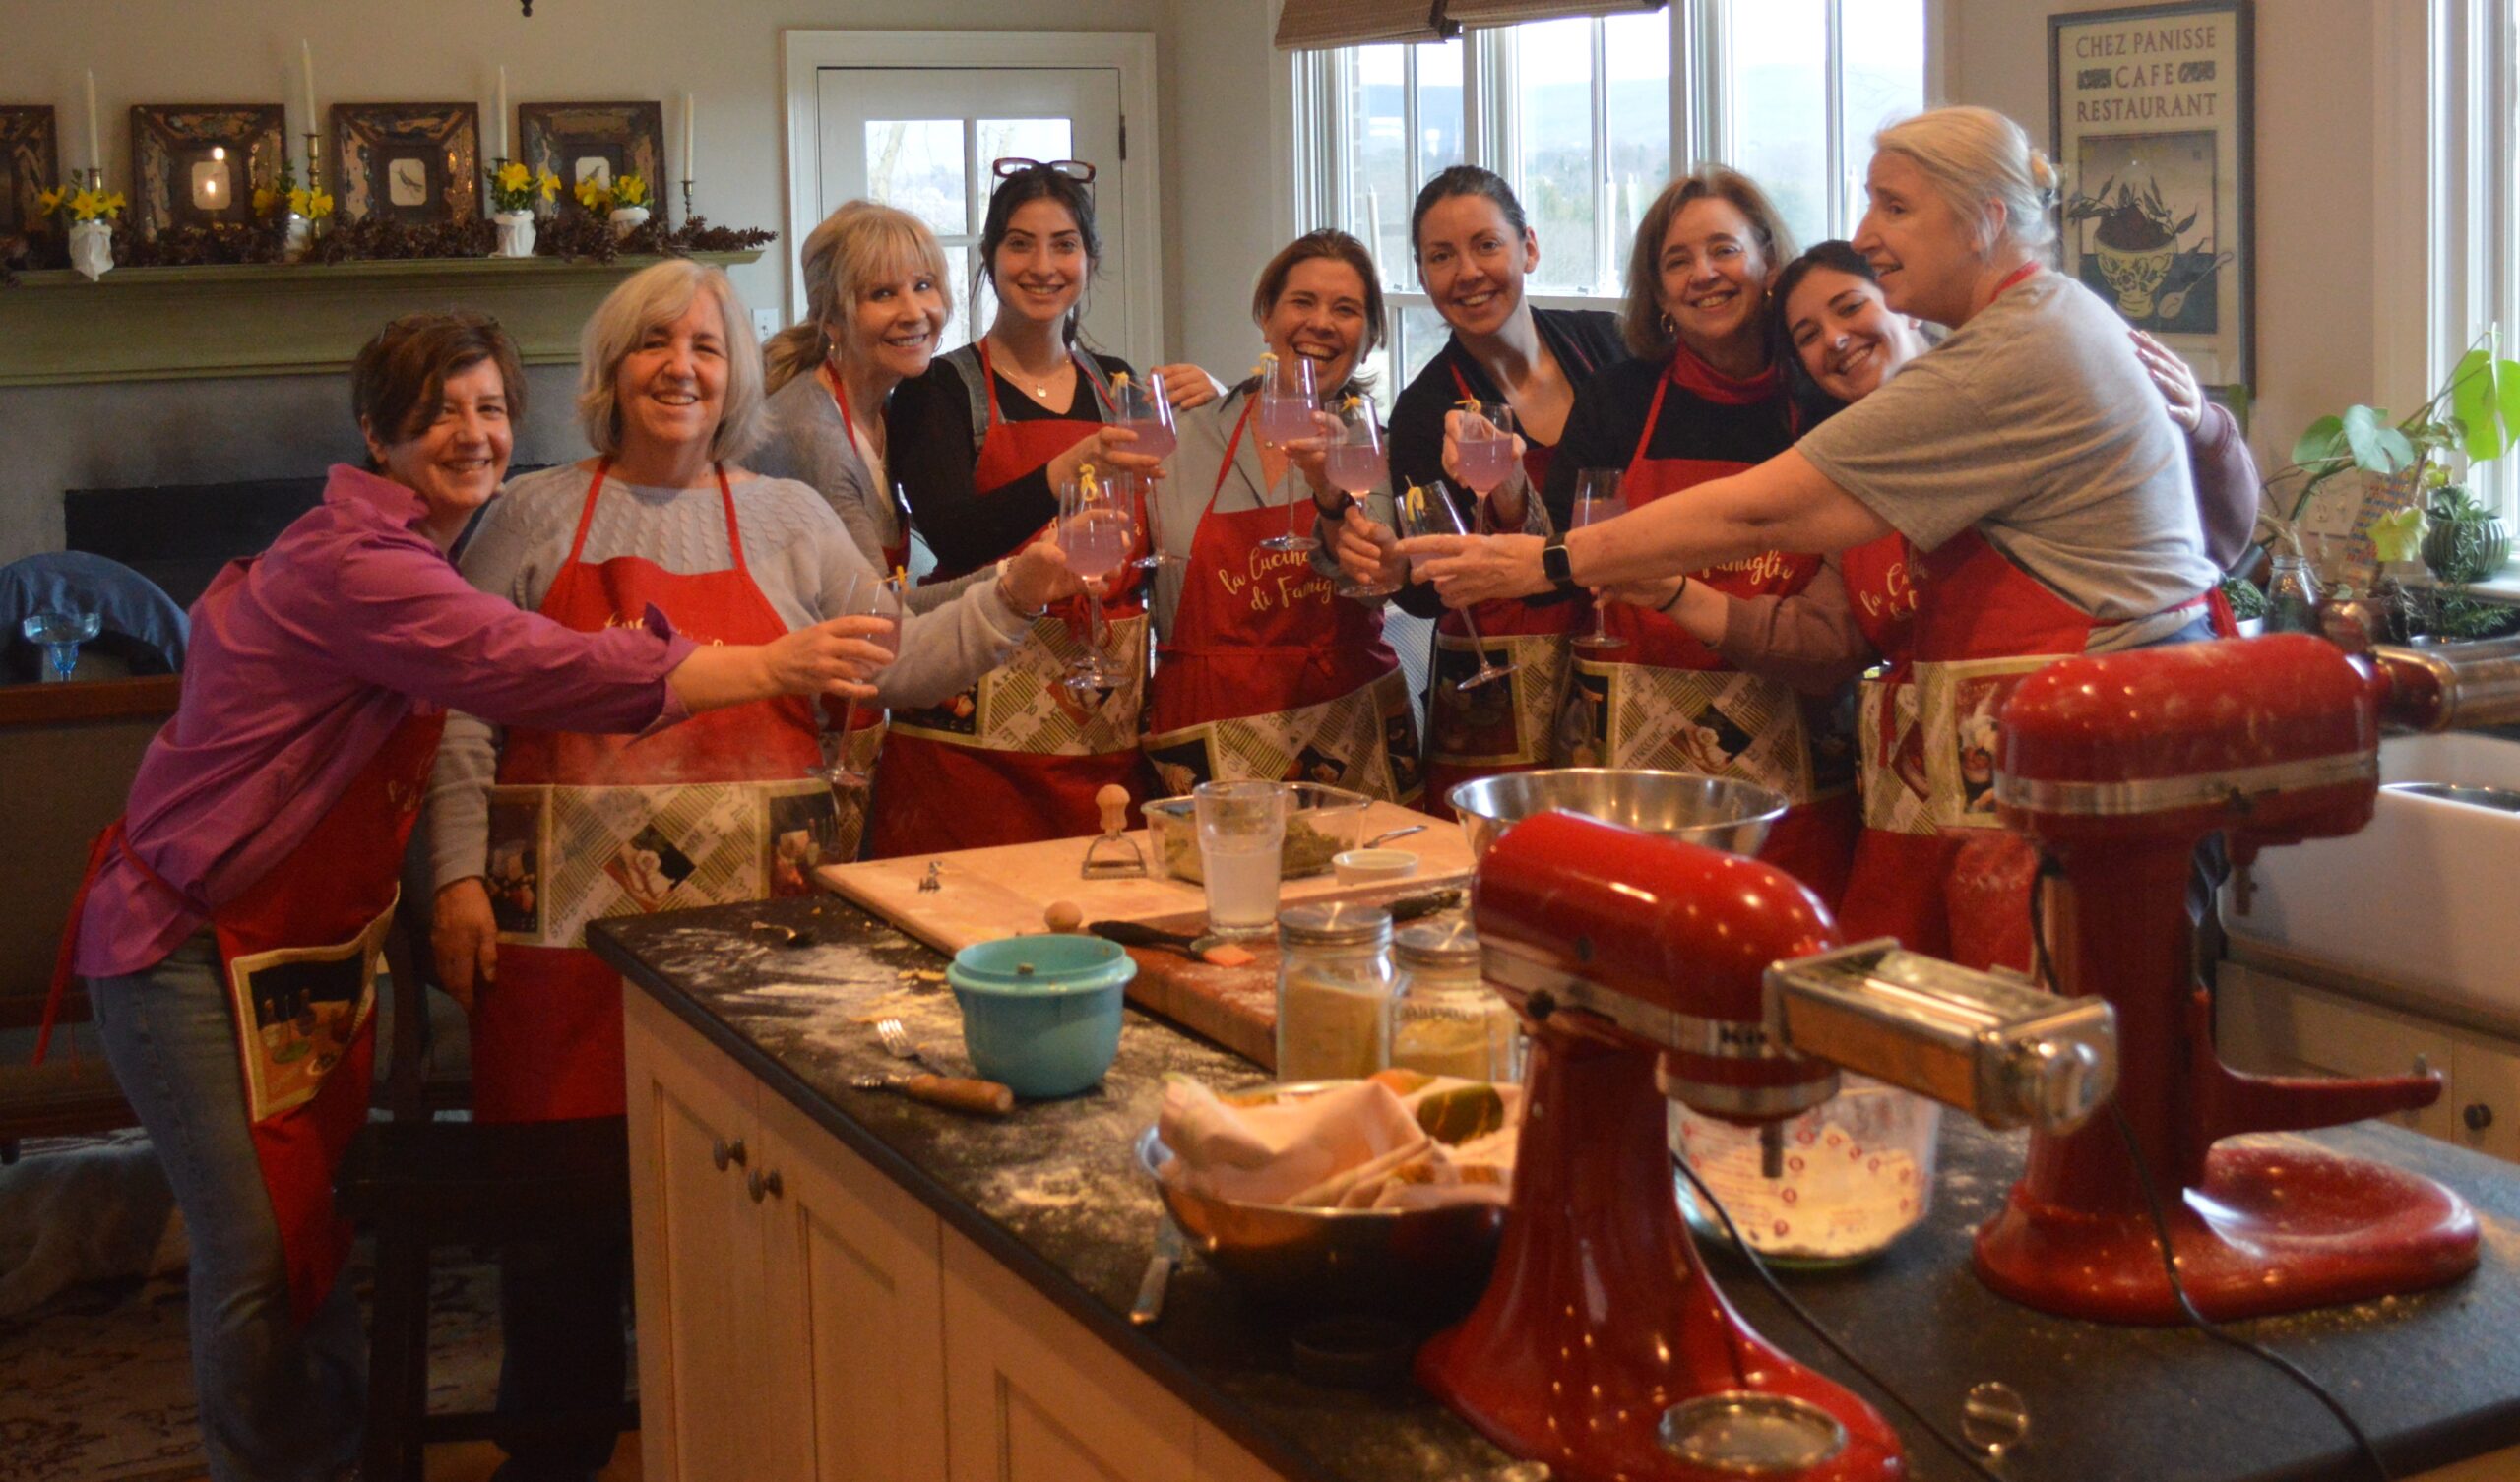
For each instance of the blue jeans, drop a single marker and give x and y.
(278, 1402)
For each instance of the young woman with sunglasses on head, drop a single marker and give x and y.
(982, 444)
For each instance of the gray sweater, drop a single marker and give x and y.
(809, 443)
(796, 550)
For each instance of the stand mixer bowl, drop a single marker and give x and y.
(1719, 813)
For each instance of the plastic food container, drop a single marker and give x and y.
(1321, 822)
(1858, 1174)
(1042, 1014)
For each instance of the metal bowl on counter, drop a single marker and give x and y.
(1428, 1263)
(1717, 812)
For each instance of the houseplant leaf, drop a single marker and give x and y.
(2475, 402)
(2321, 441)
(2375, 445)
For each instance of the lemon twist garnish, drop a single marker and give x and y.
(1469, 404)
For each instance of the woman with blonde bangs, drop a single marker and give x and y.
(877, 297)
(663, 518)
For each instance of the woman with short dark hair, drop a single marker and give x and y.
(231, 919)
(1266, 672)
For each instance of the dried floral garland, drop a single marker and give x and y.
(378, 239)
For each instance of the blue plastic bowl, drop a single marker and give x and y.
(1042, 1014)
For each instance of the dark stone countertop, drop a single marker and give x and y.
(1054, 1192)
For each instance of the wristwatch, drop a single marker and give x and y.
(1554, 563)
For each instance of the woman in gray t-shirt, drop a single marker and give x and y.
(2032, 428)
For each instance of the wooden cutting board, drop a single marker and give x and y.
(983, 895)
(988, 894)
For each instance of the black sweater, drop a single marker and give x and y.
(1608, 418)
(933, 445)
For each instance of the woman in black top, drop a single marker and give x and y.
(1474, 250)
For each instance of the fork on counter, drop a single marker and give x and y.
(937, 1086)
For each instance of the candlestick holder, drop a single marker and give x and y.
(96, 179)
(314, 162)
(686, 201)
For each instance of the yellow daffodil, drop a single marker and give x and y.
(312, 205)
(95, 206)
(265, 197)
(590, 194)
(548, 183)
(50, 201)
(629, 190)
(514, 176)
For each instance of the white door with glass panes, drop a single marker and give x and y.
(926, 139)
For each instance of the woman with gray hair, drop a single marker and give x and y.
(2025, 459)
(569, 827)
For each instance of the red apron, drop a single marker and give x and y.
(1509, 726)
(708, 812)
(1268, 675)
(1018, 756)
(1670, 702)
(1958, 628)
(299, 949)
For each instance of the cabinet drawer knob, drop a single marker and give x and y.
(2478, 1116)
(763, 1185)
(723, 1151)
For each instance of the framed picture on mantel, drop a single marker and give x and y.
(30, 165)
(579, 142)
(2150, 112)
(413, 162)
(198, 164)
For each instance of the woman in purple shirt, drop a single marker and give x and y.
(232, 919)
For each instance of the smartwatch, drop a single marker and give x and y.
(1554, 563)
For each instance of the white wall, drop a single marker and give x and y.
(2325, 222)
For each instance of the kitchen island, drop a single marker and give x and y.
(836, 1282)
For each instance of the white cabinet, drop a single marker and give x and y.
(2272, 1026)
(802, 1315)
(787, 1295)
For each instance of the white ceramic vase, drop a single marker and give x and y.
(92, 248)
(516, 232)
(628, 220)
(300, 231)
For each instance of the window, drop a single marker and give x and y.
(2473, 61)
(1577, 114)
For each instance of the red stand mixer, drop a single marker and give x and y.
(1600, 1347)
(2118, 767)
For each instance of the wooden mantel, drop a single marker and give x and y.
(163, 324)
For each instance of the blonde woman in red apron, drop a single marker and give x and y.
(2025, 455)
(983, 444)
(231, 923)
(1265, 671)
(1472, 248)
(715, 811)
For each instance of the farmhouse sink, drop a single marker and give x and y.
(2426, 898)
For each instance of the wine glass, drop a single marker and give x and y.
(1484, 447)
(1598, 497)
(1146, 408)
(61, 634)
(1097, 527)
(1289, 412)
(1356, 464)
(879, 598)
(1429, 510)
(1140, 493)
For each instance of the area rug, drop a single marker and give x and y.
(97, 1387)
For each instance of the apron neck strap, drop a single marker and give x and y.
(1224, 468)
(1653, 414)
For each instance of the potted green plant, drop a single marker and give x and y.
(2475, 412)
(2462, 540)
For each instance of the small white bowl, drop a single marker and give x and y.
(1366, 866)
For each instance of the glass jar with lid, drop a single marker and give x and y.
(1334, 991)
(1447, 1021)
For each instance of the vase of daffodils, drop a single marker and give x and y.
(90, 212)
(629, 198)
(515, 193)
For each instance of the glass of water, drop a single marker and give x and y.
(1242, 830)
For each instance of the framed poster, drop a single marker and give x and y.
(30, 165)
(579, 142)
(411, 162)
(2150, 111)
(198, 164)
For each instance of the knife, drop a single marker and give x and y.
(1169, 1248)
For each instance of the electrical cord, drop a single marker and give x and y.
(2041, 974)
(1802, 1315)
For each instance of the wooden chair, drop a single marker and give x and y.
(422, 1183)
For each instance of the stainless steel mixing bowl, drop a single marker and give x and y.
(1416, 1263)
(1717, 812)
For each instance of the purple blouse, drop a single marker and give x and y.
(304, 661)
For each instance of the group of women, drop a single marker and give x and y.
(640, 650)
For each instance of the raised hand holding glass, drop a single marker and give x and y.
(1428, 510)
